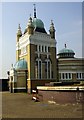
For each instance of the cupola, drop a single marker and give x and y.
(66, 53)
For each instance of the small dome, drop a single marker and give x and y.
(66, 53)
(38, 23)
(65, 50)
(20, 65)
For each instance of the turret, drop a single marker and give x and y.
(19, 33)
(52, 30)
(30, 27)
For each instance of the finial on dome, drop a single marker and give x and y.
(34, 10)
(65, 45)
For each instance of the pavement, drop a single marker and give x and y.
(21, 105)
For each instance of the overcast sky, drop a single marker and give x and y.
(67, 18)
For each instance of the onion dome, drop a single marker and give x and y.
(66, 53)
(20, 65)
(19, 32)
(38, 25)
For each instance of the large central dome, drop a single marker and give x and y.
(38, 23)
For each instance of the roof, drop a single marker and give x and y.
(66, 53)
(38, 23)
(66, 50)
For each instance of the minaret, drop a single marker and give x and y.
(30, 28)
(19, 34)
(52, 30)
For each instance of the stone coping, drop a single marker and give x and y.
(60, 88)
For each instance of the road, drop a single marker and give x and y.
(21, 105)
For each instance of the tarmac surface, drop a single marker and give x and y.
(21, 105)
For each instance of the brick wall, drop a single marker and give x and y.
(61, 97)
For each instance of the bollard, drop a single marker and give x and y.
(34, 96)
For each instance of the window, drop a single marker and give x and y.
(69, 76)
(42, 49)
(65, 76)
(45, 48)
(48, 69)
(83, 75)
(39, 48)
(36, 48)
(36, 69)
(80, 75)
(40, 69)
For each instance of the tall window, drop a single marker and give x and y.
(42, 49)
(36, 47)
(39, 48)
(45, 48)
(48, 69)
(38, 69)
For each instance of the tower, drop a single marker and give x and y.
(30, 27)
(36, 54)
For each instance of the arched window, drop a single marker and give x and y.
(48, 68)
(38, 69)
